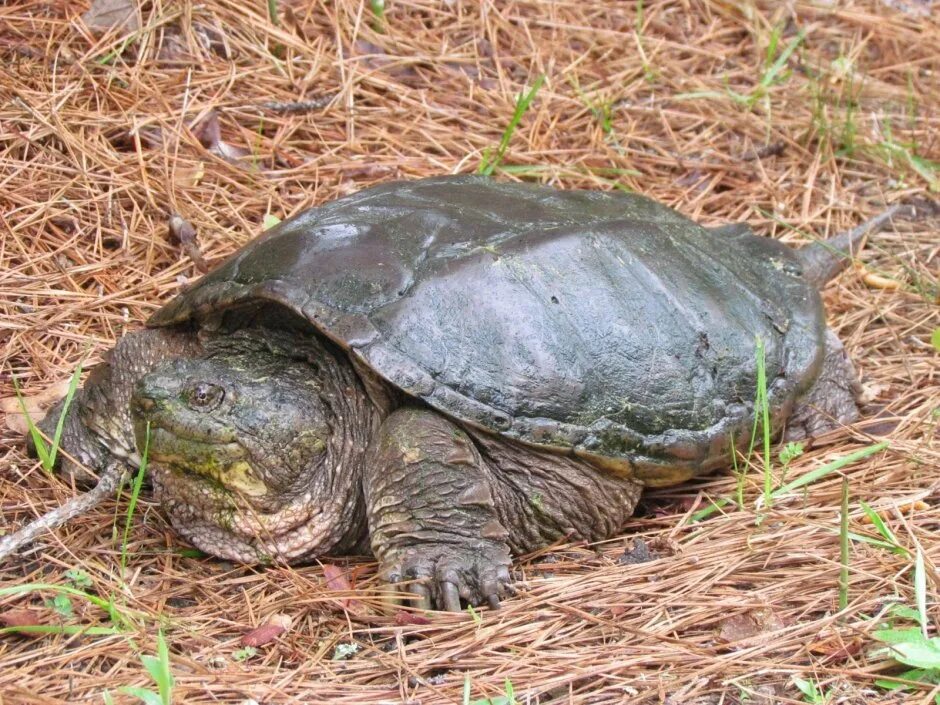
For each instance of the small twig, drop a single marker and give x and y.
(109, 480)
(774, 149)
(294, 107)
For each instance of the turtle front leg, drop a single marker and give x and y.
(432, 518)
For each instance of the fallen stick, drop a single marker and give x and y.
(108, 481)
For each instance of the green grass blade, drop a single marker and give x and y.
(147, 696)
(66, 629)
(739, 475)
(47, 454)
(60, 424)
(716, 505)
(489, 164)
(166, 682)
(883, 529)
(920, 589)
(862, 538)
(42, 450)
(510, 691)
(135, 494)
(700, 94)
(27, 588)
(772, 45)
(844, 547)
(828, 468)
(765, 421)
(771, 74)
(160, 670)
(121, 618)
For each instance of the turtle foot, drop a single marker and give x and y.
(443, 575)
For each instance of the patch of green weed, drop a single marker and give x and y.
(508, 698)
(807, 479)
(773, 73)
(159, 669)
(378, 12)
(245, 653)
(811, 691)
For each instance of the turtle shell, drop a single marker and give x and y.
(602, 324)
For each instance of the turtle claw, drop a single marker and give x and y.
(450, 596)
(423, 593)
(445, 576)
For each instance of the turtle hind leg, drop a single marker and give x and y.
(832, 401)
(432, 516)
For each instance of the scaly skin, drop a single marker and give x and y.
(446, 516)
(449, 540)
(256, 446)
(98, 428)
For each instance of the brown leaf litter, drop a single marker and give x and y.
(214, 113)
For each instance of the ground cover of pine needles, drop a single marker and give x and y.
(136, 150)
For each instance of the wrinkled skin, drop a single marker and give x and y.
(243, 452)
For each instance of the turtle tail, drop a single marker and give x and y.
(824, 259)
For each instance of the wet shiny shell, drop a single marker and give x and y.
(604, 324)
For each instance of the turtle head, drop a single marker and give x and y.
(238, 442)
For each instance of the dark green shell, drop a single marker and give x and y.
(603, 323)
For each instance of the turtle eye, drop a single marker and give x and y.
(204, 396)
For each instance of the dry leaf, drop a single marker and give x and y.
(259, 636)
(377, 59)
(209, 134)
(755, 624)
(336, 579)
(22, 618)
(876, 281)
(281, 620)
(403, 618)
(36, 405)
(837, 649)
(366, 171)
(105, 15)
(147, 136)
(182, 231)
(190, 176)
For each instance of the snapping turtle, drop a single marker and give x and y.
(451, 370)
